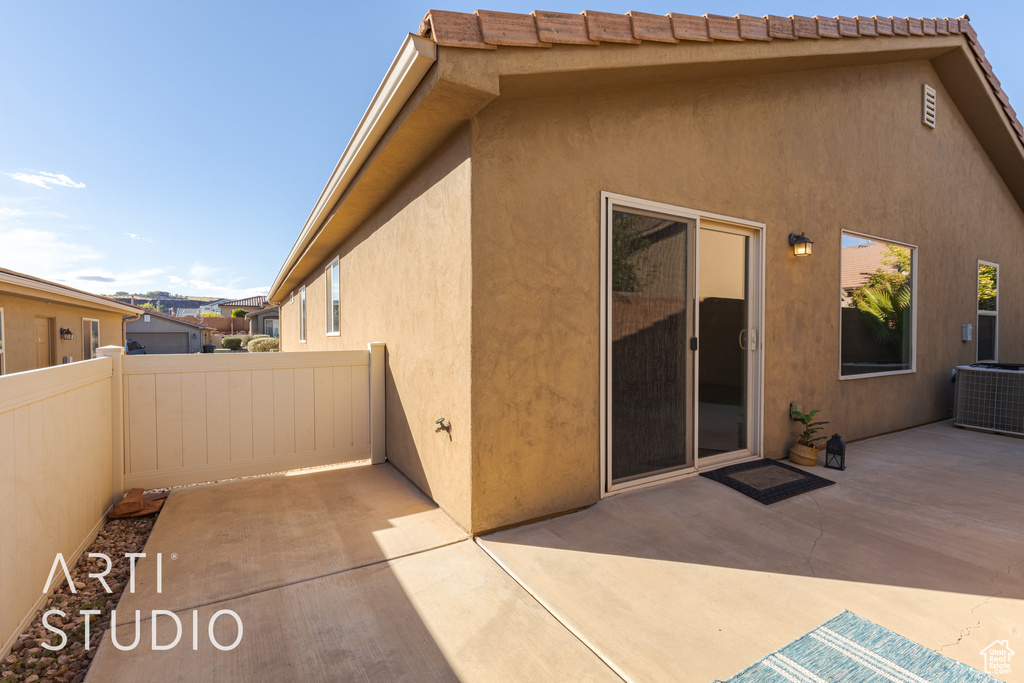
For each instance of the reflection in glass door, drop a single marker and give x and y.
(650, 332)
(725, 342)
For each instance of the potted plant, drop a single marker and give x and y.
(805, 450)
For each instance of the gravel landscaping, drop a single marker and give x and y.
(29, 661)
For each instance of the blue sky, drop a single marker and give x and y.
(180, 146)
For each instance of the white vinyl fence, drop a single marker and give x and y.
(74, 437)
(55, 478)
(195, 418)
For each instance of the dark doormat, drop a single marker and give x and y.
(767, 481)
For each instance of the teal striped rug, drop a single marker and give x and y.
(854, 650)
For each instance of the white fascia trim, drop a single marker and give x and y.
(410, 65)
(91, 299)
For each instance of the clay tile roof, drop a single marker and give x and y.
(487, 30)
(251, 301)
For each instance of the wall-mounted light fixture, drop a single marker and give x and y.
(801, 245)
(66, 334)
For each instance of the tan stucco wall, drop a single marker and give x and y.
(817, 151)
(405, 280)
(19, 313)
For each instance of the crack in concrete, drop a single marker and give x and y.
(966, 631)
(821, 524)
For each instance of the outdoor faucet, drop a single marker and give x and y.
(442, 427)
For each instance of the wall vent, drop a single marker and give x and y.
(928, 106)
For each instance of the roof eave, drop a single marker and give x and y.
(93, 300)
(410, 65)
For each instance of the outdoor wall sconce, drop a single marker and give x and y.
(835, 453)
(801, 245)
(66, 334)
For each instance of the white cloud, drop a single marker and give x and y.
(46, 180)
(12, 213)
(41, 252)
(140, 238)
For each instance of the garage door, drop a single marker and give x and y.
(162, 342)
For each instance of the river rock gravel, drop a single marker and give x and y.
(28, 660)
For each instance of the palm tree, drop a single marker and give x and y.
(884, 309)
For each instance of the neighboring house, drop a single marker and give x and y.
(253, 303)
(211, 307)
(161, 333)
(573, 233)
(265, 321)
(43, 323)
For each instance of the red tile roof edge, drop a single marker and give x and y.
(486, 30)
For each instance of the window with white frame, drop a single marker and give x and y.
(877, 306)
(988, 311)
(333, 297)
(302, 314)
(1, 341)
(90, 337)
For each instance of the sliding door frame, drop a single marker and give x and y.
(755, 372)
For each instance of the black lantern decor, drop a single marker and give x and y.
(66, 334)
(835, 453)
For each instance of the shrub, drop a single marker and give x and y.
(238, 313)
(211, 314)
(249, 337)
(264, 344)
(233, 343)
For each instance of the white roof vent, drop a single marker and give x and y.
(928, 106)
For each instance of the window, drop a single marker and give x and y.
(302, 314)
(988, 311)
(1, 341)
(90, 338)
(333, 287)
(272, 326)
(877, 306)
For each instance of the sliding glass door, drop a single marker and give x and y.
(680, 345)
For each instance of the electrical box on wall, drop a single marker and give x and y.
(966, 331)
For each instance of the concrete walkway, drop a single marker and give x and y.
(352, 574)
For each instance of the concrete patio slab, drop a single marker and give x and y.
(228, 540)
(443, 615)
(692, 580)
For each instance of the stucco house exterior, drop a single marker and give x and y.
(266, 320)
(43, 323)
(249, 304)
(575, 234)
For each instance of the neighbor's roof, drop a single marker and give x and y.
(191, 322)
(187, 313)
(46, 288)
(487, 30)
(263, 311)
(861, 261)
(251, 301)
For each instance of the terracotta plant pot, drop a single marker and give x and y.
(803, 455)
